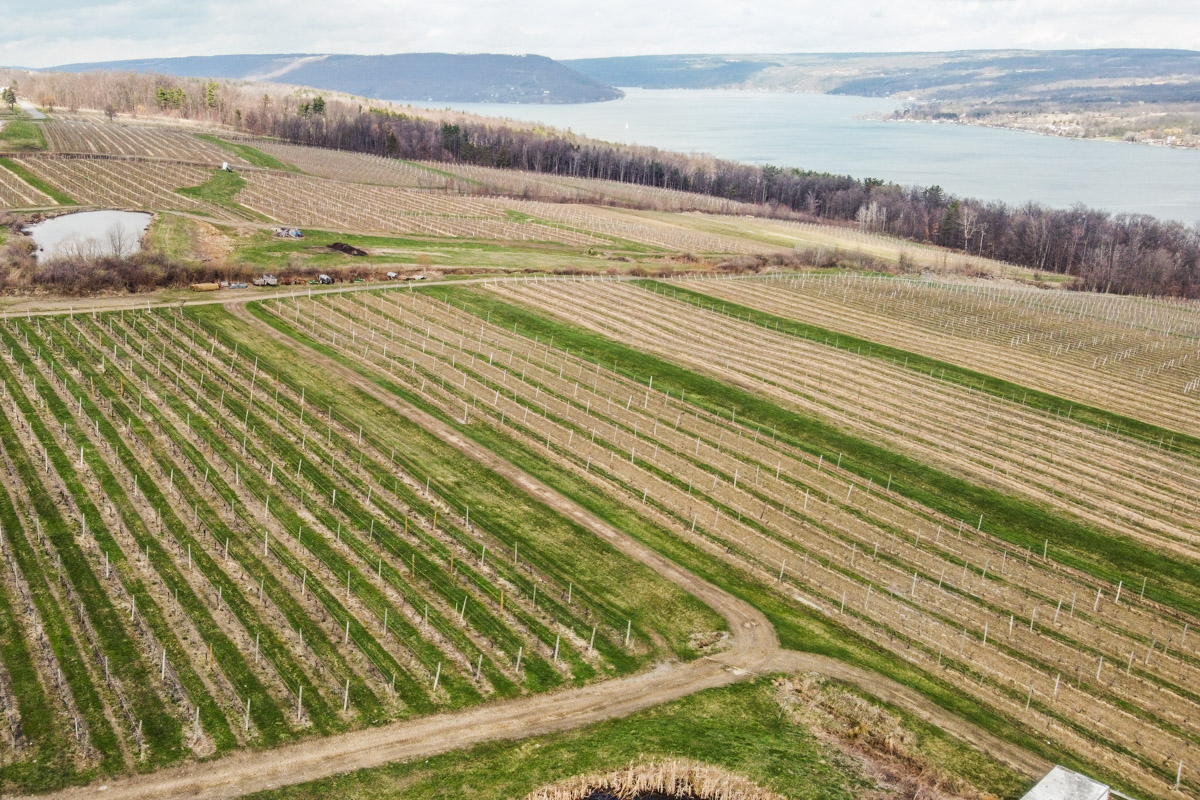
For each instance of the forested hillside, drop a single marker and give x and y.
(408, 76)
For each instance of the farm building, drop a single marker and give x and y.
(1061, 783)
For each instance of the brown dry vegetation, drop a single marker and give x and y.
(886, 750)
(675, 778)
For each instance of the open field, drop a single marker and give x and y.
(21, 135)
(558, 188)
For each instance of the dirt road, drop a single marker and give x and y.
(29, 108)
(753, 650)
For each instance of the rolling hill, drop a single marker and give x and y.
(1080, 76)
(405, 76)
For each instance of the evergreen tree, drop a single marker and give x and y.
(950, 230)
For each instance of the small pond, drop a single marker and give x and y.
(90, 233)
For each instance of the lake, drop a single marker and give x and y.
(90, 234)
(829, 133)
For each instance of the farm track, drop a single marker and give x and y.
(442, 334)
(753, 649)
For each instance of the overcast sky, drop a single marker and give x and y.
(55, 32)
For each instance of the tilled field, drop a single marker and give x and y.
(304, 200)
(349, 167)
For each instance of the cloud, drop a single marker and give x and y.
(60, 32)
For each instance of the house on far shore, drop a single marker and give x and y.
(1061, 783)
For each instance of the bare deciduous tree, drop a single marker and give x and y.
(120, 243)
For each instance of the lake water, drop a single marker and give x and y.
(829, 134)
(92, 233)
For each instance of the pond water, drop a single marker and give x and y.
(835, 134)
(90, 233)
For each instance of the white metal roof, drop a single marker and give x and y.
(1061, 783)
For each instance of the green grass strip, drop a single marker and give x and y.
(220, 190)
(22, 135)
(57, 195)
(1097, 418)
(739, 728)
(444, 173)
(251, 155)
(1020, 522)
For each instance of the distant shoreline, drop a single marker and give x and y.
(1186, 144)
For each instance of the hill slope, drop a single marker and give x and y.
(404, 76)
(1080, 76)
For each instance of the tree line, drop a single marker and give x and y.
(1125, 253)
